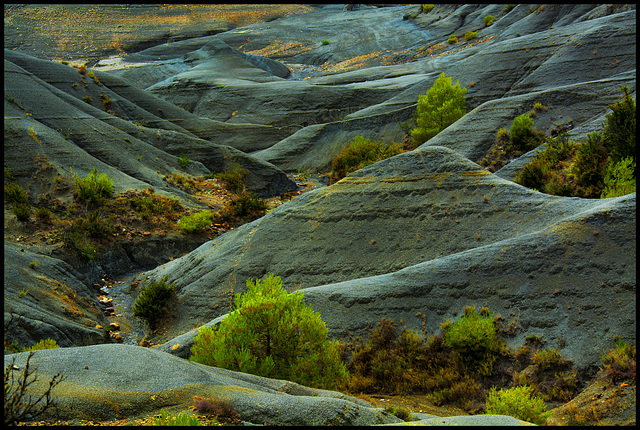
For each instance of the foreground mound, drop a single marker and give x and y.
(107, 382)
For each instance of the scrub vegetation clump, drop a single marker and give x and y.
(222, 409)
(197, 222)
(93, 189)
(151, 304)
(272, 333)
(233, 177)
(15, 194)
(620, 362)
(603, 166)
(457, 365)
(511, 144)
(488, 20)
(246, 205)
(360, 153)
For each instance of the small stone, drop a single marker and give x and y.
(99, 327)
(114, 326)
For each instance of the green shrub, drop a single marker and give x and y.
(474, 338)
(508, 8)
(22, 211)
(148, 203)
(620, 362)
(426, 8)
(14, 193)
(470, 35)
(518, 402)
(196, 223)
(81, 244)
(93, 76)
(93, 226)
(386, 363)
(234, 178)
(531, 176)
(401, 412)
(548, 358)
(521, 130)
(43, 344)
(186, 183)
(543, 172)
(441, 106)
(184, 161)
(361, 152)
(619, 179)
(452, 39)
(590, 165)
(488, 20)
(620, 128)
(272, 333)
(43, 214)
(325, 42)
(93, 189)
(179, 419)
(248, 204)
(152, 300)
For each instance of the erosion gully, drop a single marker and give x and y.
(133, 330)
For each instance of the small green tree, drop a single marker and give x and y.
(441, 106)
(272, 333)
(620, 128)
